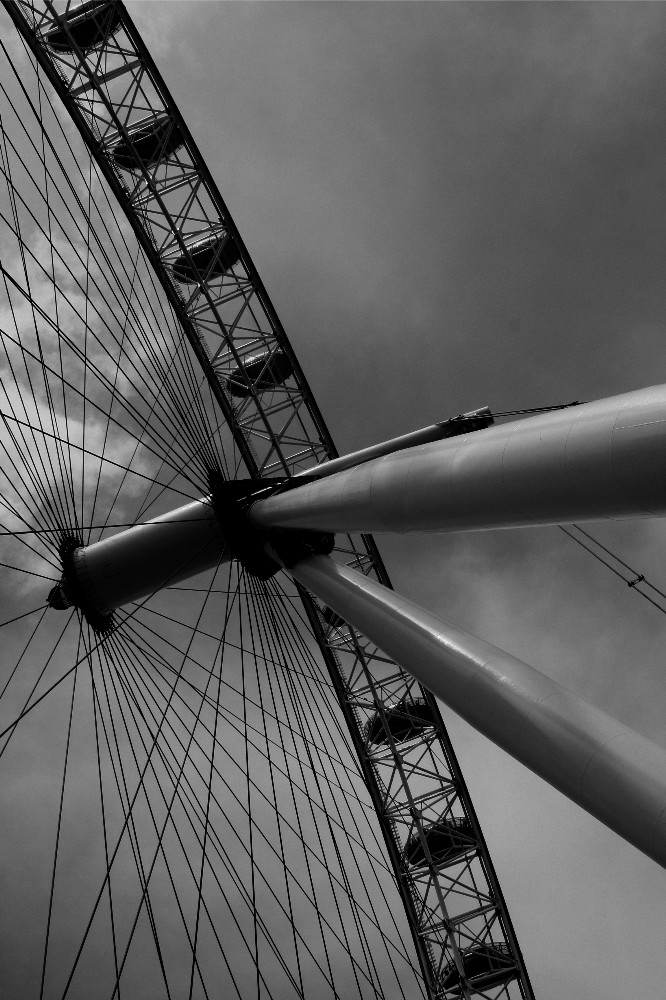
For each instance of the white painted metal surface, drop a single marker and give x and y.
(135, 563)
(434, 432)
(605, 459)
(612, 772)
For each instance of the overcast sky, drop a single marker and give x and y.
(455, 205)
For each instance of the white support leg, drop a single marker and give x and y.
(615, 774)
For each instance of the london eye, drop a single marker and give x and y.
(224, 766)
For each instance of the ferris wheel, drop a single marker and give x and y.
(243, 783)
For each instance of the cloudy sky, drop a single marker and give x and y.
(455, 205)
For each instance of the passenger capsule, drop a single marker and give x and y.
(332, 618)
(147, 144)
(404, 721)
(89, 24)
(485, 965)
(211, 257)
(260, 372)
(447, 840)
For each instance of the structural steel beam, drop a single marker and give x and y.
(605, 459)
(612, 772)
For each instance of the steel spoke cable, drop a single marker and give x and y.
(32, 486)
(322, 852)
(30, 456)
(123, 796)
(283, 620)
(42, 535)
(315, 855)
(17, 536)
(187, 797)
(75, 388)
(377, 860)
(51, 502)
(128, 819)
(274, 794)
(320, 918)
(32, 635)
(316, 745)
(217, 465)
(268, 843)
(11, 509)
(27, 706)
(26, 614)
(297, 710)
(219, 655)
(65, 173)
(97, 406)
(64, 676)
(159, 469)
(131, 828)
(199, 590)
(103, 459)
(35, 478)
(235, 722)
(146, 879)
(128, 814)
(71, 272)
(121, 400)
(84, 425)
(250, 822)
(29, 572)
(272, 768)
(317, 741)
(115, 644)
(59, 826)
(134, 799)
(233, 645)
(193, 806)
(6, 170)
(280, 720)
(70, 482)
(105, 834)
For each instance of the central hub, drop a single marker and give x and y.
(262, 552)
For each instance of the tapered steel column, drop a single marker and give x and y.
(605, 459)
(614, 773)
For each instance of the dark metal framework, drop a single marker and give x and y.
(462, 933)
